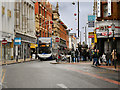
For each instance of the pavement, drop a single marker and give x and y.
(42, 74)
(102, 66)
(7, 62)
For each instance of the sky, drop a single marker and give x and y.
(67, 10)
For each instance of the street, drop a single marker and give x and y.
(36, 74)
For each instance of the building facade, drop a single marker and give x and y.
(43, 19)
(24, 27)
(108, 14)
(6, 30)
(60, 30)
(72, 41)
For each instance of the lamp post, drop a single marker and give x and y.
(85, 35)
(78, 16)
(108, 39)
(113, 29)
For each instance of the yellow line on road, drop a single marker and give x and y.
(3, 77)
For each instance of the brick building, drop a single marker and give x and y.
(60, 29)
(43, 19)
(107, 14)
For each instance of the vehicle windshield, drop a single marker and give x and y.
(44, 49)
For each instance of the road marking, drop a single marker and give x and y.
(63, 86)
(96, 76)
(3, 77)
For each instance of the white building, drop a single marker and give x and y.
(7, 30)
(17, 21)
(24, 27)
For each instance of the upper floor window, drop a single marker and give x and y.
(105, 10)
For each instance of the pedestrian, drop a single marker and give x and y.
(114, 58)
(73, 56)
(104, 58)
(108, 57)
(90, 55)
(84, 54)
(98, 57)
(76, 55)
(95, 57)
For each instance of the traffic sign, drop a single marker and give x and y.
(4, 42)
(91, 23)
(17, 41)
(57, 39)
(91, 17)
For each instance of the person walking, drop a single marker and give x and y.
(104, 58)
(108, 57)
(98, 57)
(95, 57)
(114, 58)
(76, 55)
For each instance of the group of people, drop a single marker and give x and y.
(108, 58)
(95, 55)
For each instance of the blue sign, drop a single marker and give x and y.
(91, 17)
(17, 41)
(91, 24)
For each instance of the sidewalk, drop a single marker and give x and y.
(14, 61)
(110, 68)
(102, 66)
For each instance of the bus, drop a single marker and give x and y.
(45, 48)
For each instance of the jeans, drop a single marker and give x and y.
(95, 60)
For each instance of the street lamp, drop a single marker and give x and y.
(113, 29)
(78, 16)
(108, 38)
(85, 35)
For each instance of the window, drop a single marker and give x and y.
(40, 21)
(105, 10)
(39, 9)
(45, 14)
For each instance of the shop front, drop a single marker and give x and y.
(107, 38)
(24, 50)
(6, 46)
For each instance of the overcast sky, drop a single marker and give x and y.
(67, 10)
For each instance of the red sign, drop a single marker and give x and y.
(105, 33)
(91, 36)
(4, 42)
(57, 39)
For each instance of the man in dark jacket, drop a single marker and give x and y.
(95, 57)
(76, 55)
(108, 57)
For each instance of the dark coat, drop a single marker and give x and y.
(108, 56)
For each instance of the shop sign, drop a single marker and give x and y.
(95, 38)
(4, 42)
(32, 45)
(17, 41)
(91, 20)
(99, 8)
(103, 28)
(91, 35)
(109, 7)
